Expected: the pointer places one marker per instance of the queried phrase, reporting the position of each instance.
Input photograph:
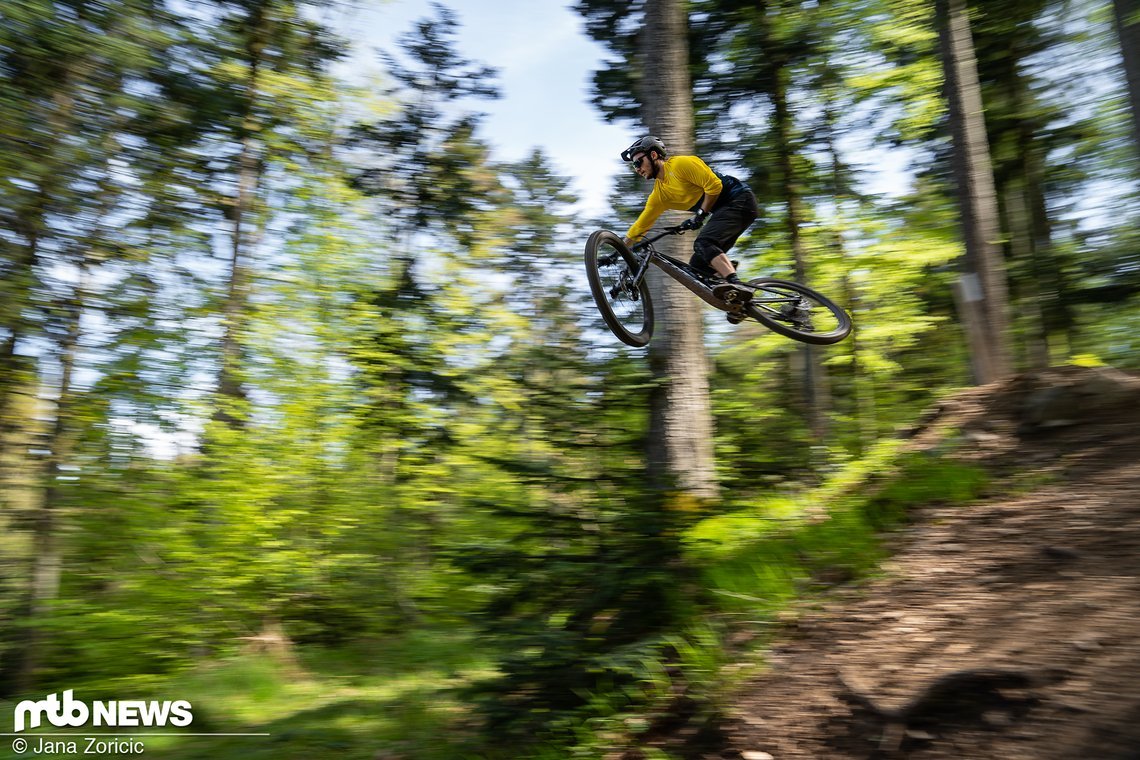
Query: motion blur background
(306, 415)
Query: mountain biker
(686, 183)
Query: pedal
(732, 293)
(734, 319)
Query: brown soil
(1007, 629)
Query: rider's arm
(654, 207)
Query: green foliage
(582, 598)
(922, 479)
(396, 695)
(760, 558)
(424, 475)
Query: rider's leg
(721, 232)
(723, 265)
(718, 236)
(705, 254)
(719, 263)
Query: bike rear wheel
(797, 312)
(626, 308)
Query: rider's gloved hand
(697, 220)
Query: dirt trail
(1004, 630)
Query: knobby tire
(628, 312)
(839, 322)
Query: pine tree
(983, 295)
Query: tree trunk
(681, 428)
(47, 554)
(985, 308)
(15, 371)
(1020, 175)
(243, 215)
(19, 376)
(1127, 15)
(863, 382)
(806, 363)
(1023, 248)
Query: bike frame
(679, 271)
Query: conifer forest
(308, 417)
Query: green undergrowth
(750, 568)
(391, 698)
(761, 561)
(759, 557)
(757, 564)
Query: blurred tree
(121, 132)
(872, 64)
(864, 85)
(245, 47)
(760, 52)
(1127, 19)
(983, 294)
(416, 158)
(74, 85)
(681, 430)
(437, 188)
(1024, 129)
(650, 80)
(573, 569)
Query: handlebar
(677, 230)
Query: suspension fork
(637, 278)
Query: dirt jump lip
(1003, 629)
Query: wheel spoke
(624, 303)
(624, 299)
(797, 311)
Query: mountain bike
(617, 281)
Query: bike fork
(637, 278)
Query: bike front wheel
(797, 312)
(625, 305)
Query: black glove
(697, 220)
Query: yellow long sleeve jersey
(680, 185)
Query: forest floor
(1004, 629)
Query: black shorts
(723, 228)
